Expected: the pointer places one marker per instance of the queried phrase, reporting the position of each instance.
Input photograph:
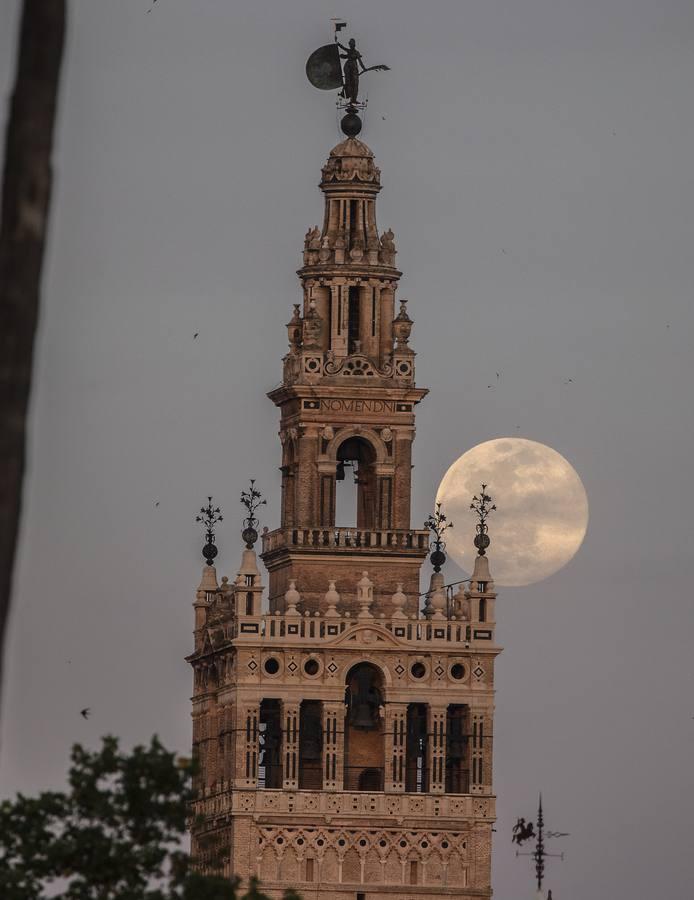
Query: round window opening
(272, 665)
(457, 671)
(311, 667)
(418, 670)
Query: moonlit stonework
(542, 511)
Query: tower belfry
(347, 403)
(344, 728)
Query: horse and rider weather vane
(325, 71)
(525, 831)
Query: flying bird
(196, 334)
(157, 503)
(568, 381)
(85, 712)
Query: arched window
(364, 729)
(355, 496)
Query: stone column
(247, 746)
(338, 327)
(436, 727)
(333, 745)
(306, 489)
(403, 477)
(228, 755)
(367, 315)
(396, 742)
(477, 751)
(387, 305)
(290, 744)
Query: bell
(340, 471)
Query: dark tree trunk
(26, 194)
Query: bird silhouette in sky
(85, 712)
(196, 334)
(568, 381)
(157, 503)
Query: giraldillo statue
(326, 72)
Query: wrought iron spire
(483, 506)
(523, 832)
(251, 499)
(539, 848)
(438, 524)
(209, 516)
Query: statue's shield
(323, 68)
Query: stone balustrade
(347, 539)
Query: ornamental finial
(251, 499)
(438, 524)
(483, 506)
(209, 516)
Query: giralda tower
(343, 727)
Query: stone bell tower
(343, 726)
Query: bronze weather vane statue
(326, 72)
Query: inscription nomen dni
(361, 405)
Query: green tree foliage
(115, 834)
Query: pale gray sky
(537, 169)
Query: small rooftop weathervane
(251, 499)
(325, 71)
(209, 516)
(483, 506)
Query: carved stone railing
(377, 804)
(348, 539)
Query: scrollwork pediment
(366, 634)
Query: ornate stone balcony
(414, 541)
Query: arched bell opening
(364, 729)
(355, 476)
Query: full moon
(542, 509)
